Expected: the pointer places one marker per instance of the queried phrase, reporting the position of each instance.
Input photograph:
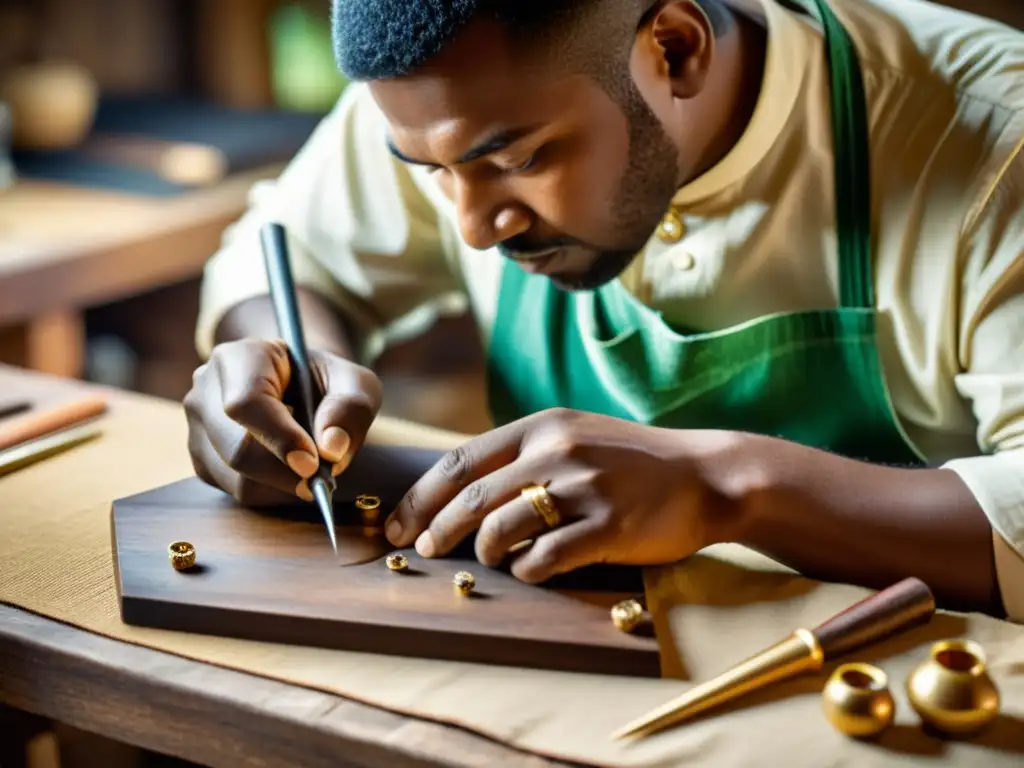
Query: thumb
(352, 398)
(254, 375)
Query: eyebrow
(495, 143)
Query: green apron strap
(852, 164)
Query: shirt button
(684, 261)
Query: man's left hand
(625, 493)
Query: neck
(737, 73)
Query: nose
(487, 217)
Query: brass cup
(951, 690)
(857, 702)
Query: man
(745, 272)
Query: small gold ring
(182, 555)
(541, 500)
(367, 502)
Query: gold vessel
(857, 702)
(951, 690)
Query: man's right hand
(243, 438)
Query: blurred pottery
(951, 690)
(53, 105)
(857, 702)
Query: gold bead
(951, 690)
(857, 702)
(464, 582)
(627, 614)
(182, 555)
(397, 562)
(671, 228)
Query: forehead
(484, 78)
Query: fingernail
(302, 463)
(334, 443)
(393, 531)
(303, 492)
(425, 545)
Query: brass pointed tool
(900, 607)
(289, 324)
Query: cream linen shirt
(945, 95)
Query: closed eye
(527, 165)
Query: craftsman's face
(544, 165)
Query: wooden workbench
(220, 718)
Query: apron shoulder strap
(852, 159)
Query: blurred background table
(65, 249)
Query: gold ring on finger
(542, 502)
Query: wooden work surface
(711, 610)
(221, 717)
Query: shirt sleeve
(991, 353)
(362, 232)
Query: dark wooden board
(270, 575)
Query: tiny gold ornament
(857, 701)
(464, 582)
(182, 555)
(951, 690)
(369, 508)
(671, 228)
(627, 614)
(397, 562)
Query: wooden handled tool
(45, 421)
(901, 606)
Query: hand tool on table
(36, 423)
(905, 604)
(289, 325)
(32, 451)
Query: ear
(679, 34)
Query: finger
(561, 550)
(503, 529)
(236, 448)
(254, 375)
(457, 469)
(477, 502)
(352, 398)
(213, 471)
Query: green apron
(812, 377)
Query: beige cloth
(946, 111)
(710, 612)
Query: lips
(537, 263)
